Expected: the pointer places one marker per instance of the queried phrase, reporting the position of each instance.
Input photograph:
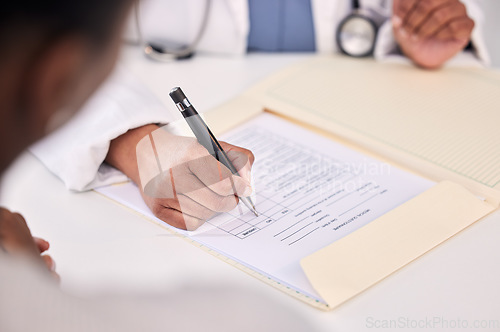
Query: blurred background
(492, 29)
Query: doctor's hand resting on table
(430, 32)
(191, 186)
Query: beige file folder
(443, 125)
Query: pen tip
(255, 212)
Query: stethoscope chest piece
(356, 35)
(166, 51)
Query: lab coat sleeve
(386, 47)
(76, 151)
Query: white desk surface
(99, 245)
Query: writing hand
(180, 182)
(430, 32)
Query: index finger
(422, 12)
(241, 158)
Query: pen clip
(181, 106)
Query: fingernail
(396, 21)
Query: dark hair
(92, 18)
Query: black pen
(205, 136)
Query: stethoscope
(355, 36)
(158, 52)
(357, 33)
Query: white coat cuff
(76, 151)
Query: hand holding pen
(180, 181)
(205, 137)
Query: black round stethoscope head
(158, 52)
(356, 35)
(164, 52)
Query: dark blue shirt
(281, 26)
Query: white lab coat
(75, 153)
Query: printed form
(309, 192)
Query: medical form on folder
(309, 192)
(350, 189)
